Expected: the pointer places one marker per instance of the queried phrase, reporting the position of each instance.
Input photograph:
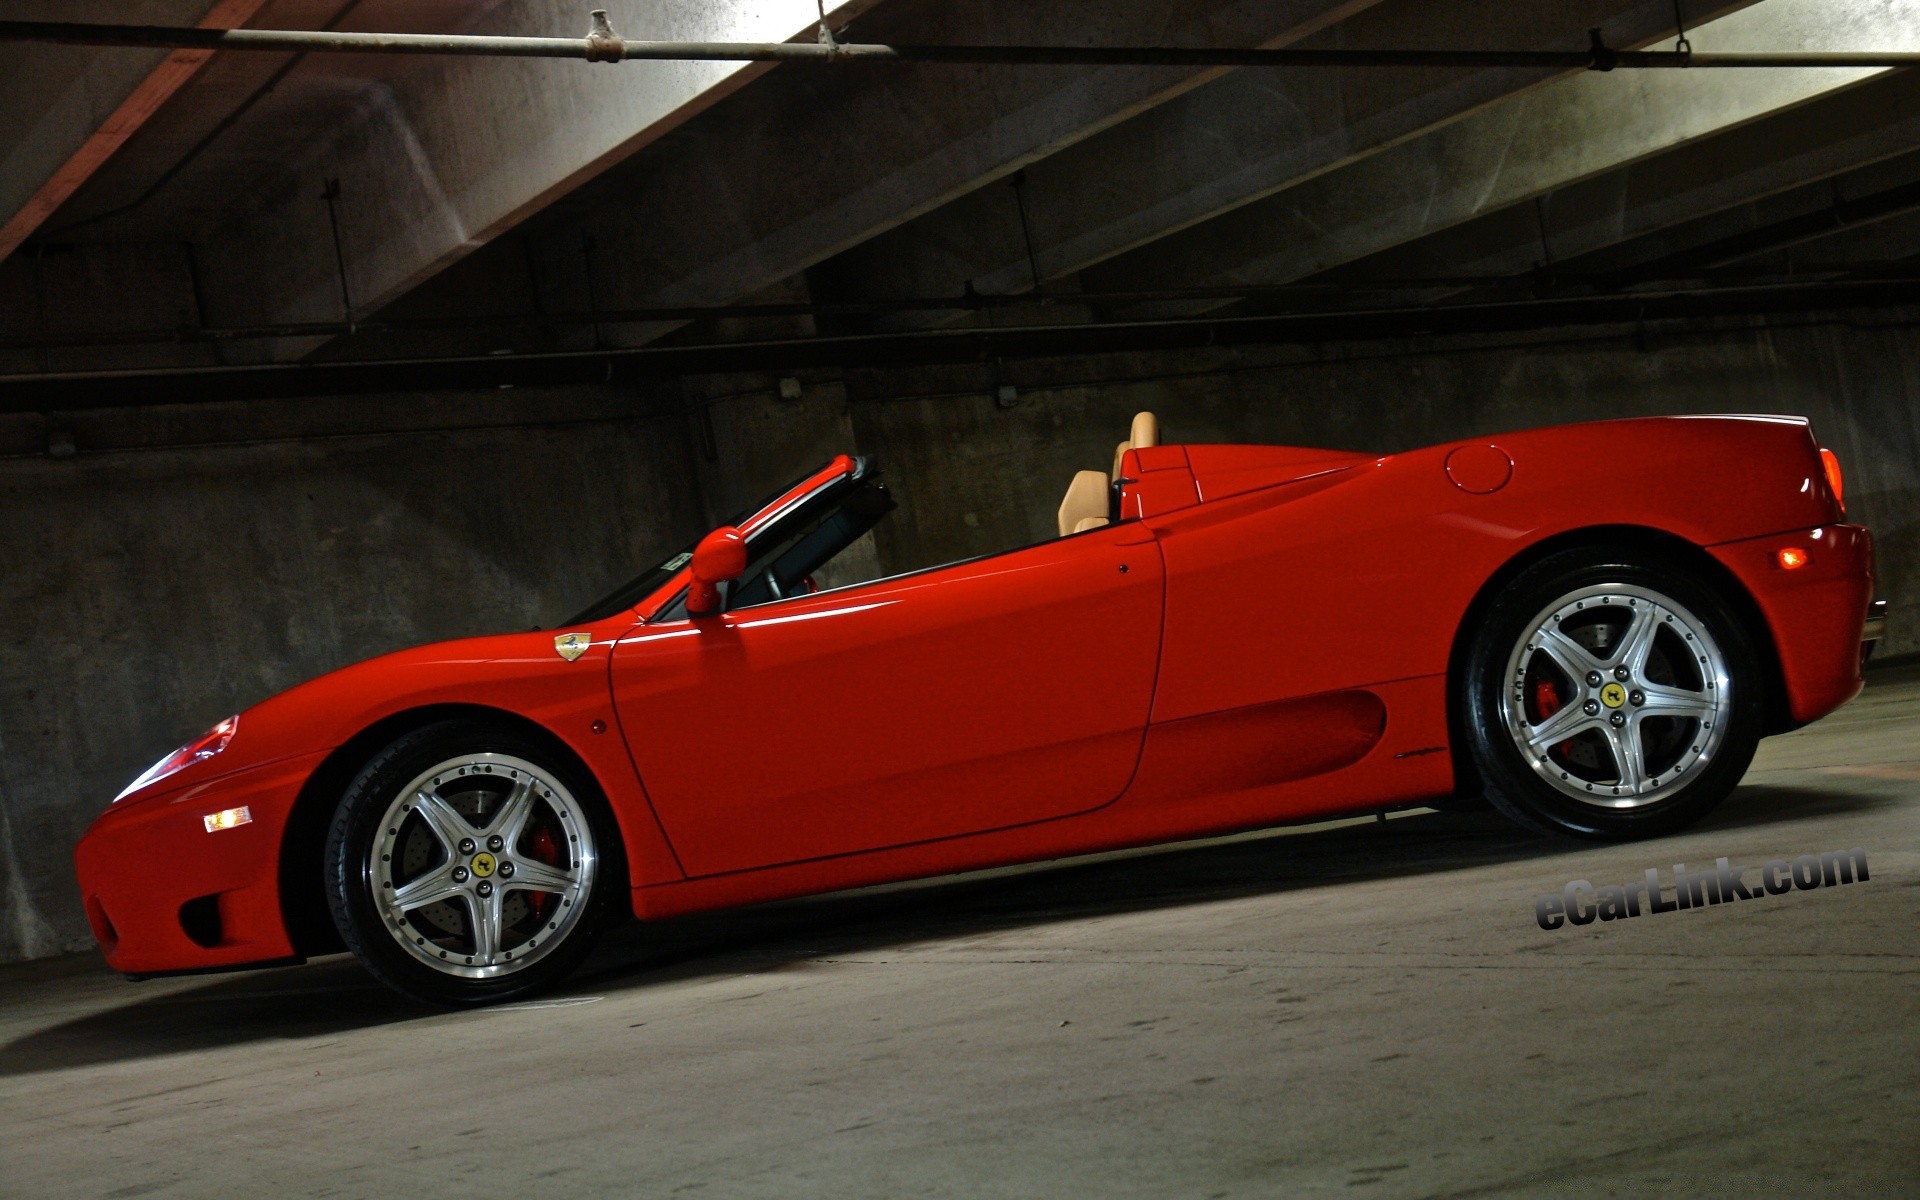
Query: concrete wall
(975, 476)
(148, 593)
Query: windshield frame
(674, 569)
(843, 472)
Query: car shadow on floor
(333, 995)
(1270, 862)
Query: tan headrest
(1146, 431)
(1119, 452)
(1086, 497)
(1087, 523)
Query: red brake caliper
(1546, 698)
(542, 846)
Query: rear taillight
(1835, 480)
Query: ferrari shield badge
(572, 645)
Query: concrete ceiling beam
(443, 158)
(1571, 130)
(1222, 146)
(828, 159)
(71, 109)
(436, 157)
(1804, 159)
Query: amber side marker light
(228, 818)
(1791, 558)
(1835, 480)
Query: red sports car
(1592, 625)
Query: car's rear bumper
(144, 862)
(1816, 613)
(1875, 629)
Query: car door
(976, 696)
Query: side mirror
(721, 557)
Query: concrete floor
(1367, 1009)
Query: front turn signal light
(208, 744)
(1792, 558)
(1835, 480)
(228, 818)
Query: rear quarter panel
(1364, 575)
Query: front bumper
(163, 894)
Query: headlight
(208, 744)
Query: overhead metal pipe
(603, 45)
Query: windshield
(651, 580)
(634, 590)
(819, 547)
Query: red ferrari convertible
(1591, 625)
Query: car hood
(522, 673)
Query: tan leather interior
(1146, 431)
(1086, 497)
(1085, 506)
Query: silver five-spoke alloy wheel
(482, 865)
(1616, 695)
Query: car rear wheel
(1611, 695)
(468, 864)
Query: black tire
(1697, 664)
(376, 833)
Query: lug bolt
(495, 842)
(459, 874)
(466, 845)
(506, 870)
(1618, 719)
(1593, 679)
(1590, 707)
(485, 890)
(1637, 697)
(1620, 673)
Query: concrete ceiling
(141, 191)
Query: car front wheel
(1611, 695)
(468, 864)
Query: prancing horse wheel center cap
(450, 889)
(1612, 695)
